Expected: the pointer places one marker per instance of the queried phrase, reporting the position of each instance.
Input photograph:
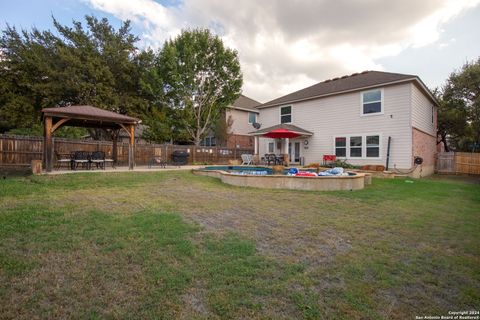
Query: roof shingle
(287, 126)
(341, 84)
(89, 112)
(244, 102)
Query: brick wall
(425, 146)
(242, 141)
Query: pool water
(242, 170)
(262, 177)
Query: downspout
(388, 152)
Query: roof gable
(245, 103)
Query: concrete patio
(124, 169)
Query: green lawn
(173, 245)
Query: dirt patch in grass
(194, 303)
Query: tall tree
(95, 64)
(198, 77)
(459, 113)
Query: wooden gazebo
(87, 117)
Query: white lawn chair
(247, 159)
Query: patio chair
(157, 160)
(329, 160)
(111, 161)
(98, 158)
(271, 158)
(279, 159)
(62, 160)
(81, 157)
(247, 159)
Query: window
(341, 147)
(271, 145)
(252, 117)
(433, 114)
(373, 146)
(286, 114)
(372, 102)
(356, 147)
(208, 142)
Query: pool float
(292, 172)
(305, 174)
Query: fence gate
(446, 162)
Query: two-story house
(366, 118)
(238, 118)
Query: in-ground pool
(263, 177)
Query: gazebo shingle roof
(89, 113)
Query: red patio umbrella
(281, 133)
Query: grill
(180, 157)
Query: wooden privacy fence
(458, 163)
(20, 151)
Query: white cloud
(287, 45)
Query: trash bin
(180, 157)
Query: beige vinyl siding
(240, 123)
(340, 115)
(422, 112)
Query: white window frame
(280, 114)
(349, 146)
(250, 112)
(347, 140)
(364, 146)
(379, 146)
(382, 107)
(268, 146)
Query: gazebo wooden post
(114, 146)
(47, 144)
(131, 148)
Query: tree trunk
(196, 141)
(444, 140)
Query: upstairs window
(286, 114)
(433, 114)
(341, 147)
(356, 147)
(372, 102)
(252, 117)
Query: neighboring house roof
(286, 126)
(353, 82)
(246, 104)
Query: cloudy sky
(286, 45)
